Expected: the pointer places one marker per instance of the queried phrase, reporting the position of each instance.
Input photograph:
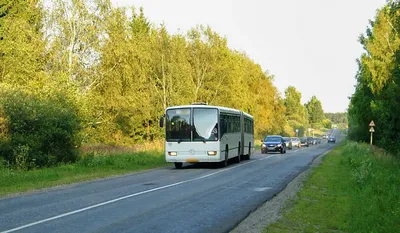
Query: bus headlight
(211, 152)
(172, 153)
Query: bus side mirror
(162, 121)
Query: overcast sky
(309, 44)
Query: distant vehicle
(304, 142)
(288, 142)
(310, 140)
(314, 141)
(201, 133)
(273, 143)
(325, 136)
(332, 139)
(296, 142)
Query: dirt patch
(270, 211)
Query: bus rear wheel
(237, 158)
(247, 157)
(224, 163)
(178, 165)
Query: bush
(39, 131)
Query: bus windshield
(178, 124)
(205, 122)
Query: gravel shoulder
(270, 211)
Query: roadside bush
(40, 131)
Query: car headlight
(279, 145)
(263, 145)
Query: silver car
(296, 142)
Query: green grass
(87, 168)
(355, 189)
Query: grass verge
(355, 189)
(89, 167)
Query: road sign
(297, 130)
(372, 124)
(372, 130)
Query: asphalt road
(197, 198)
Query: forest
(75, 73)
(377, 92)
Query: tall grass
(88, 167)
(355, 189)
(375, 194)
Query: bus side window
(223, 127)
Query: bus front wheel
(178, 165)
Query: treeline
(90, 73)
(337, 117)
(377, 93)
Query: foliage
(22, 49)
(296, 113)
(356, 186)
(315, 112)
(120, 72)
(337, 118)
(39, 131)
(378, 81)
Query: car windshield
(205, 122)
(178, 124)
(272, 139)
(286, 139)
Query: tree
(377, 91)
(122, 72)
(22, 49)
(76, 33)
(296, 113)
(315, 112)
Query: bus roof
(224, 109)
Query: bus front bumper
(192, 158)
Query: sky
(310, 44)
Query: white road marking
(127, 196)
(261, 189)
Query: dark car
(332, 139)
(304, 142)
(273, 143)
(310, 140)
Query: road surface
(193, 199)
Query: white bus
(200, 133)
